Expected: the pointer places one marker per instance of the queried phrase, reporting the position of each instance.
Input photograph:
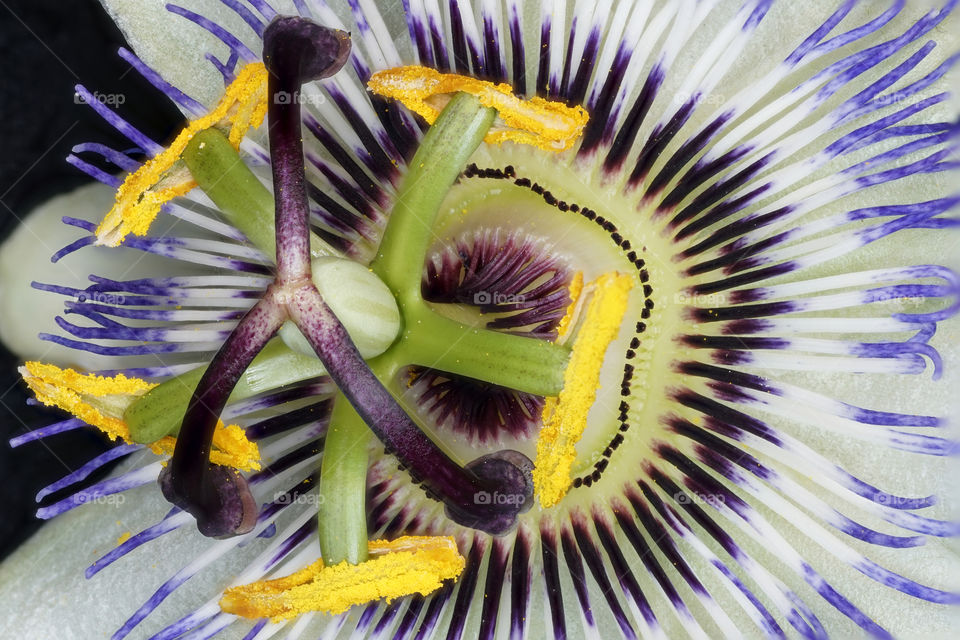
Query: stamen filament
(219, 171)
(341, 512)
(160, 411)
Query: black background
(47, 47)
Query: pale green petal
(25, 258)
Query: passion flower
(652, 319)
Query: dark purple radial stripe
(383, 156)
(311, 449)
(658, 140)
(574, 564)
(461, 59)
(719, 454)
(399, 125)
(335, 215)
(670, 515)
(578, 87)
(387, 615)
(715, 192)
(733, 342)
(442, 59)
(408, 623)
(543, 68)
(722, 314)
(47, 431)
(735, 229)
(724, 419)
(739, 253)
(551, 579)
(599, 124)
(626, 136)
(518, 76)
(492, 47)
(705, 486)
(757, 383)
(806, 622)
(681, 497)
(520, 583)
(347, 161)
(687, 151)
(662, 537)
(562, 91)
(623, 571)
(493, 588)
(721, 211)
(224, 36)
(437, 605)
(634, 536)
(595, 563)
(317, 413)
(351, 193)
(365, 619)
(466, 589)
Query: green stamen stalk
(342, 505)
(247, 204)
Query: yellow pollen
(100, 401)
(548, 125)
(575, 290)
(160, 179)
(565, 417)
(412, 564)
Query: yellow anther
(565, 417)
(551, 126)
(101, 401)
(575, 290)
(398, 568)
(163, 177)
